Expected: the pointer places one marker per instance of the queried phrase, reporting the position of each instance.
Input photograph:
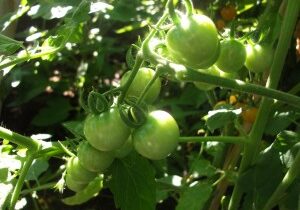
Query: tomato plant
(194, 42)
(100, 138)
(158, 137)
(259, 58)
(232, 56)
(107, 131)
(144, 75)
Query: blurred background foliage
(41, 96)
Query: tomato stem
(224, 139)
(19, 139)
(189, 7)
(251, 149)
(172, 12)
(148, 86)
(20, 182)
(239, 85)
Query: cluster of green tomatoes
(193, 42)
(109, 137)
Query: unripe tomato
(125, 149)
(78, 173)
(194, 42)
(92, 159)
(158, 137)
(232, 56)
(73, 185)
(229, 75)
(205, 86)
(228, 12)
(143, 76)
(259, 58)
(107, 131)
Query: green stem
(189, 7)
(41, 187)
(195, 76)
(28, 57)
(148, 86)
(135, 69)
(172, 12)
(251, 150)
(20, 182)
(287, 180)
(21, 140)
(224, 139)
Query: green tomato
(205, 86)
(92, 159)
(78, 173)
(227, 75)
(125, 149)
(107, 131)
(158, 137)
(194, 42)
(232, 56)
(259, 58)
(143, 76)
(73, 185)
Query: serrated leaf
(221, 117)
(89, 192)
(195, 197)
(8, 45)
(37, 168)
(133, 183)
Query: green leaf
(8, 45)
(195, 197)
(37, 168)
(51, 43)
(221, 117)
(89, 192)
(133, 183)
(201, 167)
(56, 110)
(75, 127)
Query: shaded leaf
(37, 168)
(195, 197)
(8, 45)
(133, 183)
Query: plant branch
(19, 139)
(225, 139)
(251, 150)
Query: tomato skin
(73, 185)
(158, 137)
(125, 149)
(259, 58)
(205, 86)
(143, 76)
(92, 159)
(194, 42)
(249, 114)
(228, 12)
(107, 131)
(232, 56)
(78, 173)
